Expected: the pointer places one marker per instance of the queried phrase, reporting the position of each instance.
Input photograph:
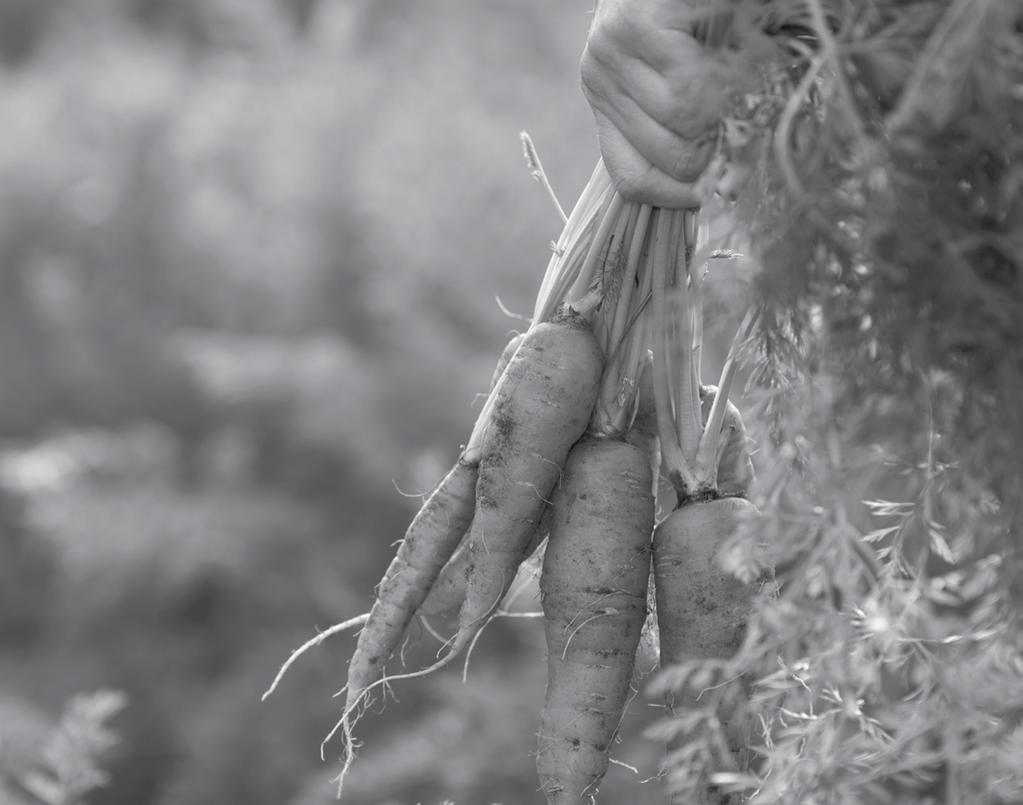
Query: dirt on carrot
(542, 406)
(593, 591)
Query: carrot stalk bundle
(567, 449)
(593, 589)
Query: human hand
(657, 95)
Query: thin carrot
(430, 539)
(448, 591)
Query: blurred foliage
(62, 767)
(886, 209)
(249, 254)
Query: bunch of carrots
(590, 408)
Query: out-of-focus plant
(888, 219)
(70, 761)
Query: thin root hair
(358, 620)
(430, 630)
(533, 486)
(349, 717)
(602, 614)
(583, 611)
(509, 313)
(469, 650)
(421, 495)
(623, 764)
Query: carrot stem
(537, 172)
(696, 276)
(687, 410)
(569, 249)
(707, 453)
(608, 222)
(629, 280)
(611, 271)
(674, 458)
(625, 347)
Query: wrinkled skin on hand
(657, 95)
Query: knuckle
(597, 55)
(588, 71)
(691, 159)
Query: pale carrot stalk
(735, 472)
(629, 279)
(709, 448)
(696, 275)
(680, 469)
(581, 283)
(609, 276)
(628, 341)
(537, 172)
(688, 405)
(577, 230)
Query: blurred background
(250, 257)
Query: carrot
(429, 541)
(448, 592)
(427, 565)
(701, 610)
(540, 408)
(593, 590)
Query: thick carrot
(541, 407)
(593, 590)
(701, 610)
(430, 539)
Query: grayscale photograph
(334, 334)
